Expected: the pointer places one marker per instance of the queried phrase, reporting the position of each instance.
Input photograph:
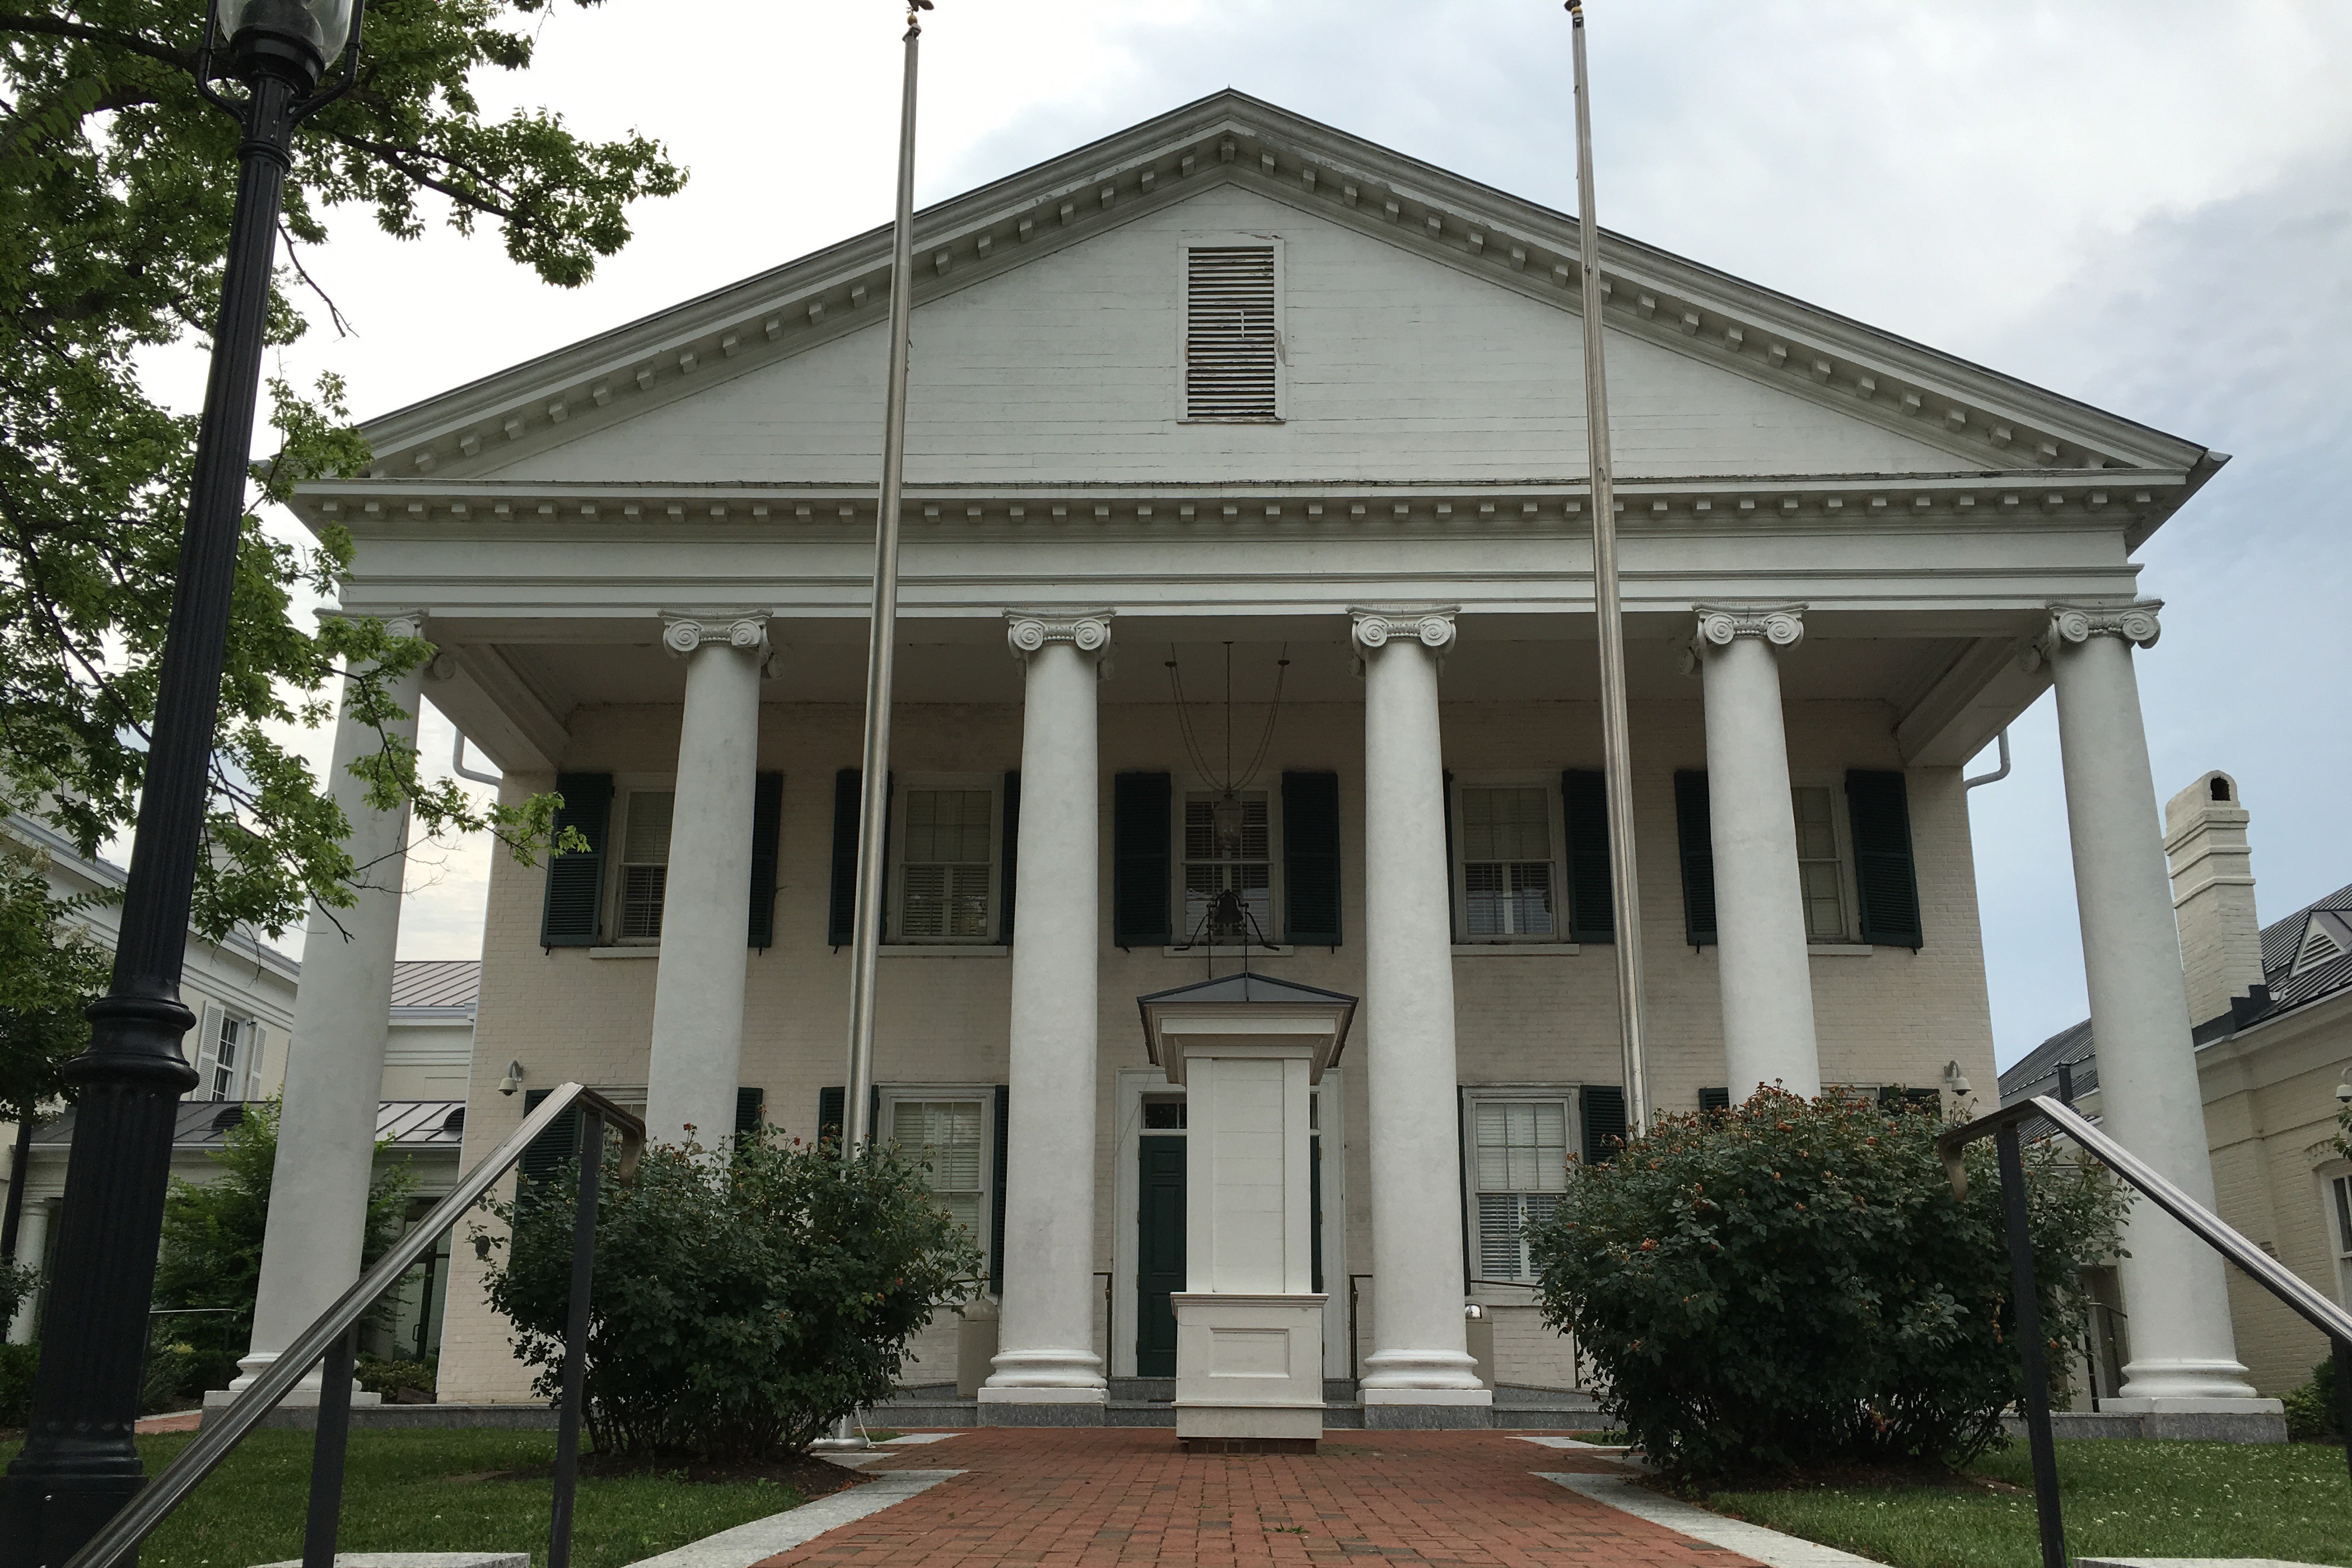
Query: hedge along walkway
(1075, 1499)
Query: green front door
(1160, 1245)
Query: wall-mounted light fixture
(513, 1081)
(1956, 1080)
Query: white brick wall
(1892, 1016)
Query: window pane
(1531, 898)
(945, 1134)
(1505, 824)
(642, 890)
(1498, 1237)
(1816, 832)
(647, 839)
(1228, 843)
(2344, 1214)
(949, 826)
(1483, 889)
(1824, 899)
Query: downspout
(1995, 776)
(458, 761)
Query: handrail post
(326, 1516)
(2036, 1393)
(2344, 1394)
(575, 1344)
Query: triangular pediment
(1433, 325)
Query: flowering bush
(1791, 1283)
(743, 1302)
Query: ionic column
(334, 1062)
(32, 1246)
(1045, 1369)
(2184, 1353)
(698, 1031)
(1761, 966)
(1421, 1357)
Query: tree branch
(80, 32)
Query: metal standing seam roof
(437, 983)
(206, 1123)
(2037, 1070)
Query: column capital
(681, 634)
(1720, 626)
(1370, 629)
(405, 624)
(1025, 632)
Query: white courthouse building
(1235, 390)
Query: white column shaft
(2182, 1345)
(1408, 1021)
(1045, 1334)
(1759, 914)
(334, 1064)
(697, 1028)
(32, 1243)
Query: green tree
(211, 1256)
(117, 181)
(1793, 1283)
(48, 972)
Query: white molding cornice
(1978, 414)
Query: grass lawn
(2292, 1501)
(434, 1491)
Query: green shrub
(2313, 1413)
(173, 1364)
(1792, 1283)
(18, 1364)
(391, 1376)
(17, 1286)
(743, 1302)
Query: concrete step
(1514, 1410)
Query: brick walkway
(1064, 1499)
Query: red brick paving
(1059, 1498)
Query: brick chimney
(2213, 894)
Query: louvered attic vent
(1230, 349)
(2319, 946)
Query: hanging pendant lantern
(1225, 824)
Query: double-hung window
(1519, 1168)
(1228, 848)
(2339, 1193)
(1820, 870)
(230, 1052)
(948, 833)
(1506, 867)
(950, 1137)
(644, 863)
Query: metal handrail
(2203, 1223)
(139, 1517)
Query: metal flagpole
(874, 790)
(1616, 746)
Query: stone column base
(1043, 1406)
(1428, 1409)
(301, 1396)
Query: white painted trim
(1517, 949)
(1770, 1547)
(1276, 952)
(764, 1538)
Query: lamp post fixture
(79, 1464)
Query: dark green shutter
(1311, 859)
(1715, 1100)
(996, 1197)
(828, 1113)
(1697, 835)
(1010, 867)
(543, 1161)
(747, 1112)
(575, 883)
(1884, 872)
(1592, 901)
(1140, 888)
(1604, 1121)
(767, 808)
(841, 913)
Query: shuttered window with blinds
(1233, 347)
(946, 878)
(948, 1137)
(1519, 1168)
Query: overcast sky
(2142, 204)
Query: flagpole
(1616, 744)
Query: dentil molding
(1720, 626)
(2135, 623)
(1024, 634)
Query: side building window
(947, 835)
(228, 1055)
(1505, 874)
(644, 862)
(1228, 848)
(1518, 1167)
(2340, 1192)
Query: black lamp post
(78, 1463)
